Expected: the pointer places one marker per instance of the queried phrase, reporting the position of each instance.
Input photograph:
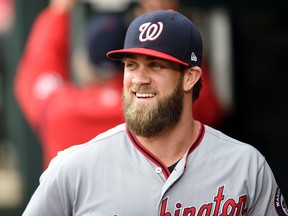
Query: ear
(191, 76)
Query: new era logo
(193, 57)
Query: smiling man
(162, 161)
(152, 99)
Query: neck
(170, 146)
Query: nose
(141, 77)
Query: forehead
(146, 59)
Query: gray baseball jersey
(114, 175)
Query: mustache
(142, 88)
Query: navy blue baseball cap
(165, 34)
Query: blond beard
(148, 120)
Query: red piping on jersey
(148, 154)
(198, 139)
(153, 158)
(196, 142)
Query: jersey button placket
(158, 170)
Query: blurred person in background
(6, 22)
(64, 108)
(7, 14)
(145, 6)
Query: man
(62, 108)
(162, 161)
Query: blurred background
(246, 46)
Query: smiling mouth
(144, 95)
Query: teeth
(145, 95)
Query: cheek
(171, 84)
(126, 80)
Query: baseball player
(161, 161)
(62, 112)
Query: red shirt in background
(61, 113)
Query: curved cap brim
(119, 54)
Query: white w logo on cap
(150, 31)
